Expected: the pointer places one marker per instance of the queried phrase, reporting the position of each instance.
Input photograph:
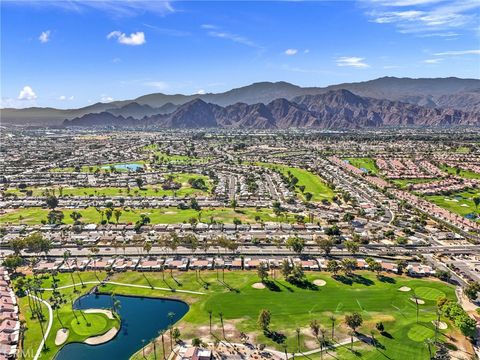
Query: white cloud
(208, 26)
(114, 8)
(458, 53)
(420, 17)
(234, 37)
(352, 61)
(432, 61)
(201, 92)
(44, 36)
(291, 52)
(64, 98)
(306, 51)
(27, 94)
(136, 38)
(106, 98)
(159, 85)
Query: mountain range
(384, 101)
(336, 109)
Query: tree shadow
(386, 279)
(285, 286)
(386, 334)
(304, 284)
(275, 336)
(271, 285)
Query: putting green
(97, 323)
(420, 333)
(428, 293)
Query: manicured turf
(294, 307)
(429, 293)
(313, 183)
(148, 190)
(420, 333)
(460, 203)
(100, 167)
(467, 174)
(167, 215)
(364, 163)
(99, 323)
(404, 183)
(173, 158)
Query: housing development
(239, 180)
(281, 243)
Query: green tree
(264, 319)
(353, 321)
(295, 244)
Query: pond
(129, 167)
(142, 318)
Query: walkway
(49, 326)
(129, 285)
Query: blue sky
(74, 53)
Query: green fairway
(460, 203)
(164, 158)
(295, 307)
(429, 293)
(467, 174)
(88, 324)
(462, 150)
(98, 168)
(364, 163)
(420, 333)
(167, 215)
(404, 183)
(312, 182)
(147, 190)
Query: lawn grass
(147, 190)
(165, 158)
(365, 163)
(165, 215)
(295, 307)
(460, 203)
(312, 182)
(467, 174)
(462, 150)
(99, 323)
(99, 167)
(404, 183)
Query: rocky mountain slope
(336, 109)
(444, 93)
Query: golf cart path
(49, 326)
(129, 285)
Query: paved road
(49, 326)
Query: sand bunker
(96, 340)
(107, 313)
(61, 337)
(404, 289)
(258, 286)
(418, 301)
(319, 282)
(441, 324)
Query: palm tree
(210, 317)
(161, 333)
(171, 316)
(415, 298)
(427, 343)
(221, 321)
(333, 319)
(297, 330)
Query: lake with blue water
(142, 319)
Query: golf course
(234, 302)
